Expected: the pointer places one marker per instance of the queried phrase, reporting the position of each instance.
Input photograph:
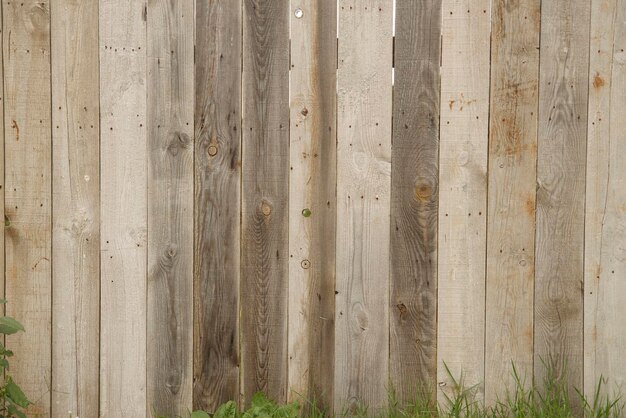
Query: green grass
(550, 399)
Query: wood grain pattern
(170, 107)
(363, 203)
(2, 168)
(415, 198)
(605, 220)
(28, 199)
(76, 203)
(124, 207)
(561, 165)
(217, 203)
(265, 185)
(312, 209)
(463, 194)
(511, 193)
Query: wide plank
(463, 154)
(414, 198)
(170, 107)
(364, 106)
(76, 203)
(28, 194)
(265, 189)
(312, 209)
(511, 194)
(124, 208)
(217, 203)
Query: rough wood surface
(217, 203)
(463, 193)
(363, 203)
(170, 107)
(415, 198)
(265, 188)
(28, 197)
(605, 220)
(561, 166)
(76, 203)
(124, 208)
(312, 209)
(511, 191)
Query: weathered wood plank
(312, 209)
(415, 198)
(28, 194)
(561, 162)
(217, 203)
(76, 203)
(2, 168)
(605, 220)
(363, 203)
(124, 207)
(170, 107)
(511, 191)
(265, 188)
(463, 193)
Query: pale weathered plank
(511, 191)
(217, 203)
(605, 220)
(28, 200)
(265, 188)
(312, 209)
(463, 194)
(414, 198)
(124, 208)
(363, 203)
(561, 162)
(170, 107)
(2, 217)
(76, 203)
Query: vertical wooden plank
(76, 203)
(511, 193)
(265, 188)
(561, 166)
(414, 197)
(170, 87)
(217, 203)
(123, 194)
(463, 193)
(2, 168)
(28, 204)
(605, 220)
(363, 203)
(312, 208)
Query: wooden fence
(203, 199)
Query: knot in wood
(305, 264)
(212, 150)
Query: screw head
(298, 13)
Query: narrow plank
(414, 198)
(217, 203)
(76, 203)
(463, 194)
(561, 163)
(123, 196)
(2, 168)
(363, 203)
(265, 188)
(28, 199)
(170, 88)
(511, 194)
(605, 223)
(312, 208)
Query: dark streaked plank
(265, 185)
(170, 206)
(511, 194)
(76, 203)
(217, 203)
(312, 209)
(561, 165)
(414, 197)
(28, 194)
